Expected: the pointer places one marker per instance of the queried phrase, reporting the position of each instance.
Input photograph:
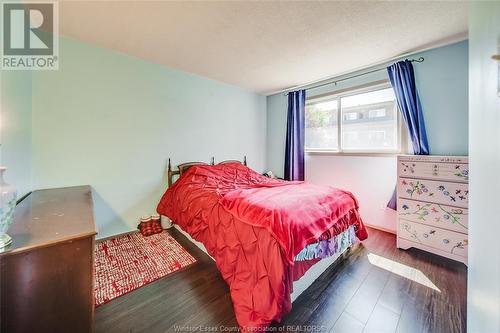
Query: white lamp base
(4, 240)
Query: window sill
(352, 153)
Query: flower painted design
(461, 173)
(413, 233)
(432, 234)
(460, 245)
(434, 212)
(408, 167)
(414, 187)
(458, 194)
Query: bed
(269, 238)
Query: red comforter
(253, 226)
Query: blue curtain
(403, 82)
(295, 136)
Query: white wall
(483, 304)
(111, 121)
(370, 179)
(16, 129)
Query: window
(322, 125)
(364, 121)
(376, 113)
(351, 116)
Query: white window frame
(402, 136)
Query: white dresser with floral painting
(432, 211)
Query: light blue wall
(111, 121)
(276, 132)
(442, 82)
(16, 129)
(443, 85)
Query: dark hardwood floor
(374, 288)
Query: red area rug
(130, 261)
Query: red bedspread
(253, 226)
(296, 214)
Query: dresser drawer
(444, 240)
(453, 194)
(456, 172)
(434, 214)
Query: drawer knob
(446, 241)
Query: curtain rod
(420, 59)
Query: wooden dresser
(46, 275)
(432, 206)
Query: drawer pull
(446, 241)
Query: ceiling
(264, 46)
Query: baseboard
(381, 228)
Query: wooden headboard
(183, 167)
(233, 161)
